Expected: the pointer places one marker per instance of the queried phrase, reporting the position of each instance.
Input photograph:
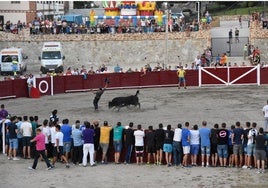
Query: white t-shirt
(250, 135)
(194, 137)
(46, 132)
(59, 136)
(177, 135)
(53, 133)
(139, 137)
(265, 110)
(26, 128)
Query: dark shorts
(213, 148)
(26, 141)
(159, 146)
(230, 150)
(56, 153)
(151, 149)
(139, 149)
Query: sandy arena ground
(165, 105)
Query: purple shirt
(88, 136)
(3, 114)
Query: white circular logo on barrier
(46, 84)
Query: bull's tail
(137, 92)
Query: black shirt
(260, 142)
(159, 136)
(129, 135)
(223, 137)
(169, 134)
(150, 138)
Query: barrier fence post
(258, 74)
(199, 76)
(51, 85)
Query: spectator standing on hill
(223, 60)
(159, 140)
(117, 141)
(139, 144)
(236, 35)
(205, 134)
(240, 21)
(230, 36)
(237, 139)
(129, 141)
(177, 147)
(40, 149)
(245, 51)
(150, 141)
(265, 113)
(167, 148)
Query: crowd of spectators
(180, 146)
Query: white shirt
(26, 128)
(194, 137)
(265, 110)
(46, 132)
(139, 134)
(53, 133)
(250, 135)
(59, 136)
(177, 135)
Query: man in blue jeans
(205, 143)
(177, 147)
(12, 130)
(237, 138)
(222, 147)
(129, 141)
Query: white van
(12, 60)
(51, 58)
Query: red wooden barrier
(62, 84)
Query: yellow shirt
(105, 134)
(181, 73)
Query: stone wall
(129, 50)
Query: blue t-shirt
(77, 137)
(185, 133)
(67, 132)
(238, 132)
(205, 136)
(118, 132)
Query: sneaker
(67, 165)
(16, 159)
(245, 167)
(49, 168)
(258, 172)
(93, 165)
(31, 168)
(9, 158)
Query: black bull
(119, 102)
